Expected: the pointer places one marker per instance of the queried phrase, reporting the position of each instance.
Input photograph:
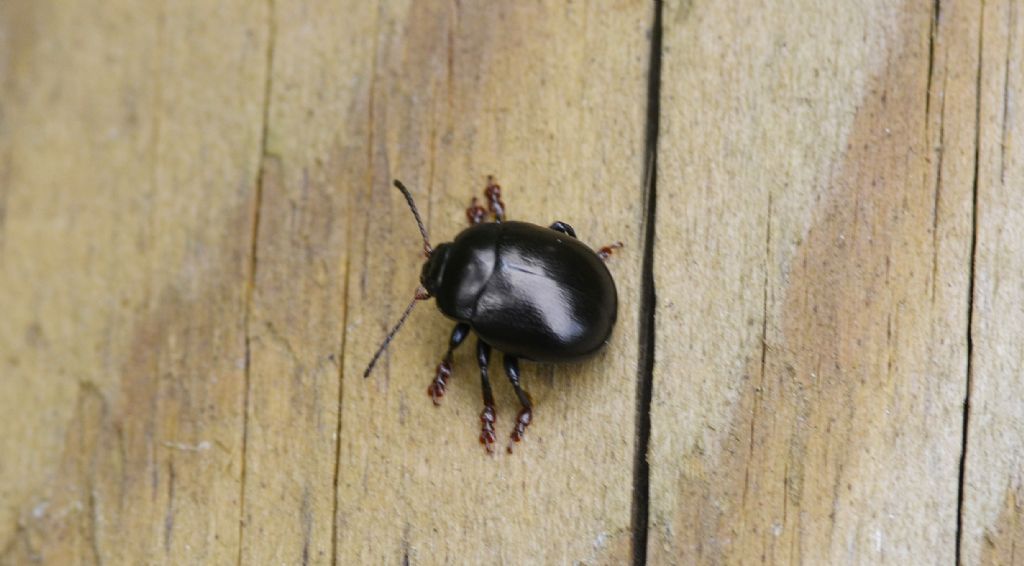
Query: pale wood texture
(200, 250)
(812, 268)
(132, 141)
(993, 513)
(315, 147)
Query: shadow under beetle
(531, 292)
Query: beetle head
(432, 274)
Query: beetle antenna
(419, 221)
(421, 294)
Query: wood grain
(993, 490)
(200, 250)
(315, 144)
(133, 137)
(812, 268)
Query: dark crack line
(937, 189)
(94, 523)
(153, 151)
(253, 260)
(929, 87)
(371, 125)
(341, 390)
(1011, 26)
(933, 32)
(758, 392)
(970, 294)
(306, 524)
(169, 512)
(648, 302)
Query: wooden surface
(812, 352)
(200, 249)
(994, 481)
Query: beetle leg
(526, 413)
(444, 369)
(606, 251)
(494, 202)
(487, 416)
(562, 227)
(475, 213)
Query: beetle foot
(475, 213)
(606, 251)
(494, 202)
(437, 388)
(522, 421)
(487, 437)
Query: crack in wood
(371, 92)
(764, 352)
(937, 190)
(169, 513)
(1011, 24)
(933, 32)
(970, 292)
(251, 283)
(648, 302)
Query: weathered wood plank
(812, 268)
(813, 258)
(314, 163)
(133, 135)
(993, 494)
(550, 97)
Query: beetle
(531, 292)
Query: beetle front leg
(475, 213)
(444, 369)
(494, 202)
(487, 416)
(562, 227)
(526, 413)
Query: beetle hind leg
(444, 369)
(606, 252)
(487, 416)
(525, 416)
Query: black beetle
(531, 292)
